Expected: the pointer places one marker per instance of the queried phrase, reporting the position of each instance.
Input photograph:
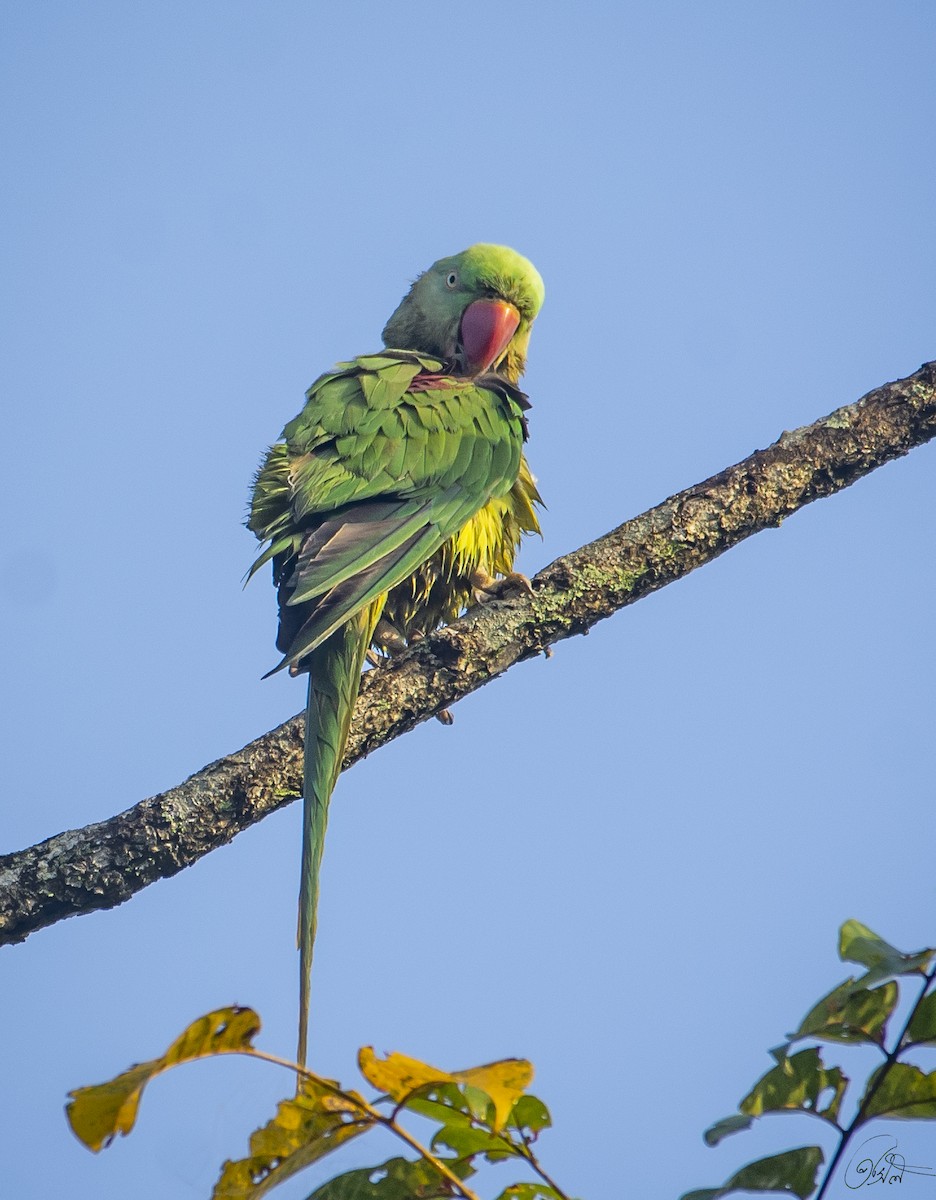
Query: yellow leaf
(504, 1081)
(398, 1075)
(306, 1128)
(97, 1114)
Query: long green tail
(334, 681)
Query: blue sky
(627, 863)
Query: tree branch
(104, 864)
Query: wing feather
(351, 541)
(371, 480)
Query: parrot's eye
(451, 280)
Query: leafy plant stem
(533, 1161)
(889, 1061)
(378, 1118)
(462, 1188)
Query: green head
(475, 310)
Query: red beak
(486, 328)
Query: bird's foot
(486, 587)
(389, 641)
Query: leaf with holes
(797, 1083)
(439, 1101)
(530, 1117)
(465, 1140)
(97, 1114)
(396, 1179)
(850, 1013)
(318, 1119)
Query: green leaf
(97, 1114)
(530, 1116)
(904, 1092)
(439, 1103)
(396, 1179)
(319, 1119)
(858, 943)
(793, 1173)
(465, 1140)
(725, 1127)
(797, 1083)
(922, 1028)
(479, 1104)
(850, 1013)
(529, 1191)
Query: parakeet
(395, 498)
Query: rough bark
(103, 864)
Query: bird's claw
(388, 640)
(508, 587)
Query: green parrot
(393, 501)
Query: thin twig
(533, 1161)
